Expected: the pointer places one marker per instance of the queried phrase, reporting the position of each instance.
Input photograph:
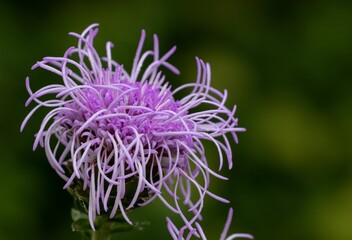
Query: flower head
(122, 139)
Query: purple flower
(125, 138)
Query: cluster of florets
(125, 139)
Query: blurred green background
(287, 66)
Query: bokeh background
(287, 66)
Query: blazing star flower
(122, 139)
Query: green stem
(95, 235)
(104, 225)
(100, 234)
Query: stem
(104, 225)
(100, 234)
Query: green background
(287, 66)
